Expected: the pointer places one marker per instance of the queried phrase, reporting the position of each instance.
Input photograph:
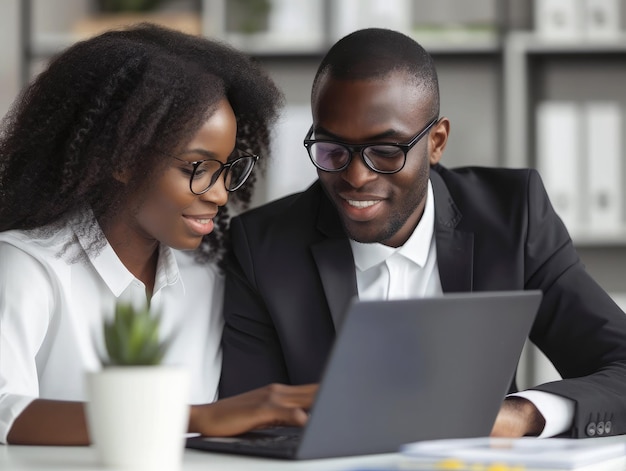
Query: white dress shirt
(52, 307)
(410, 271)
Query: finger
(301, 396)
(285, 416)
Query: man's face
(375, 207)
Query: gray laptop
(403, 371)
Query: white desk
(57, 458)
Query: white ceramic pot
(138, 415)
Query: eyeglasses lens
(205, 175)
(329, 156)
(332, 156)
(235, 174)
(239, 172)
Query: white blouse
(54, 296)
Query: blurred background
(524, 82)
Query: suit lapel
(455, 248)
(333, 257)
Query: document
(518, 454)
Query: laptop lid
(407, 370)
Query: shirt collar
(167, 269)
(114, 273)
(416, 248)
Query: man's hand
(518, 417)
(272, 405)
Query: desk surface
(57, 458)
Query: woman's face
(169, 212)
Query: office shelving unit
(537, 68)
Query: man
(388, 221)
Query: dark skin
(173, 215)
(46, 422)
(387, 208)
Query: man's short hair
(374, 53)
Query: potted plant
(138, 408)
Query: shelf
(517, 48)
(288, 40)
(533, 43)
(615, 238)
(268, 44)
(458, 40)
(316, 45)
(47, 45)
(43, 46)
(277, 44)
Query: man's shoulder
(496, 181)
(487, 175)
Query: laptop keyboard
(279, 441)
(271, 443)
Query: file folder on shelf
(604, 199)
(601, 18)
(559, 158)
(558, 19)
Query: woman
(116, 159)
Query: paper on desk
(525, 453)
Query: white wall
(9, 53)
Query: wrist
(194, 412)
(533, 420)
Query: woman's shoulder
(59, 240)
(41, 243)
(37, 256)
(29, 264)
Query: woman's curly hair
(119, 104)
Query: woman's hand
(272, 405)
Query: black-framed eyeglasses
(204, 173)
(381, 157)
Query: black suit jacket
(291, 275)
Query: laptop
(402, 371)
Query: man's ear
(438, 137)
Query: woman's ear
(438, 137)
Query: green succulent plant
(132, 337)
